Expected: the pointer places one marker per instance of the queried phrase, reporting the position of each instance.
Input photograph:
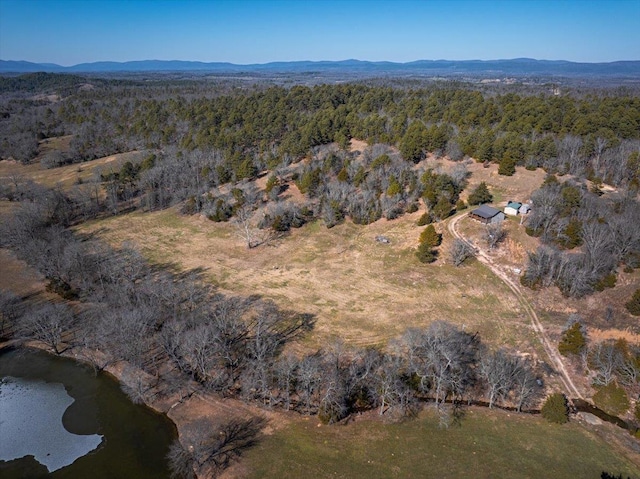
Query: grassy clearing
(68, 176)
(487, 444)
(361, 291)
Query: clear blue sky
(260, 31)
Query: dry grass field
(360, 291)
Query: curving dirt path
(570, 388)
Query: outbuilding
(524, 209)
(512, 208)
(487, 214)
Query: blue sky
(260, 31)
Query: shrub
(53, 159)
(221, 211)
(425, 219)
(61, 288)
(394, 187)
(556, 409)
(461, 205)
(412, 208)
(536, 233)
(190, 206)
(633, 305)
(272, 182)
(608, 281)
(382, 160)
(573, 340)
(572, 234)
(612, 399)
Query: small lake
(60, 420)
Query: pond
(60, 420)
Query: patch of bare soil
(357, 145)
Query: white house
(512, 208)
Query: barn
(486, 214)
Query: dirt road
(554, 356)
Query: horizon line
(315, 61)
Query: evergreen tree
(430, 237)
(573, 340)
(480, 195)
(633, 306)
(507, 167)
(556, 409)
(442, 209)
(426, 254)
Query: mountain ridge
(515, 67)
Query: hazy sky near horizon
(68, 32)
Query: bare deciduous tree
(494, 234)
(49, 324)
(460, 251)
(9, 311)
(214, 447)
(604, 360)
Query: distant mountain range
(516, 67)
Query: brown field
(360, 291)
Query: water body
(31, 424)
(60, 420)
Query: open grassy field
(487, 444)
(361, 291)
